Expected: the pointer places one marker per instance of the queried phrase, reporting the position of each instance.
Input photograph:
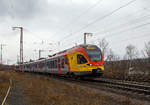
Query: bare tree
(103, 44)
(146, 53)
(111, 56)
(147, 49)
(131, 52)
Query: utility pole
(21, 46)
(85, 35)
(40, 53)
(2, 53)
(18, 59)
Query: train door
(72, 61)
(81, 62)
(64, 64)
(40, 66)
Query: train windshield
(94, 55)
(93, 52)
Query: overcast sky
(48, 22)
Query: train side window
(58, 60)
(37, 65)
(55, 63)
(66, 60)
(43, 64)
(47, 63)
(81, 59)
(62, 63)
(27, 66)
(51, 64)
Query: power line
(134, 21)
(139, 26)
(101, 18)
(36, 36)
(83, 13)
(127, 16)
(132, 28)
(88, 9)
(133, 38)
(118, 33)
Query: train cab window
(81, 59)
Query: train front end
(95, 59)
(87, 61)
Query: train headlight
(89, 64)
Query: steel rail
(127, 86)
(124, 86)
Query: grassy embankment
(43, 90)
(4, 84)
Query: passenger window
(62, 63)
(55, 62)
(66, 60)
(81, 59)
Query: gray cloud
(52, 20)
(19, 8)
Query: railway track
(133, 90)
(137, 88)
(130, 89)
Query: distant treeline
(5, 67)
(127, 69)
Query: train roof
(81, 45)
(64, 52)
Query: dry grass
(4, 84)
(43, 90)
